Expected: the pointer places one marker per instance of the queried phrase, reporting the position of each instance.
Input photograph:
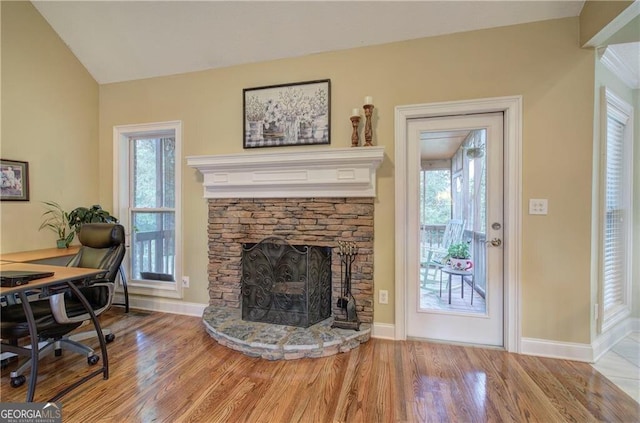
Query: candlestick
(355, 138)
(368, 132)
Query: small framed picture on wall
(15, 180)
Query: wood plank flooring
(166, 368)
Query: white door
(477, 198)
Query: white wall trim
(163, 305)
(121, 176)
(556, 349)
(589, 353)
(326, 172)
(383, 331)
(512, 109)
(620, 68)
(607, 340)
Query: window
(616, 213)
(148, 194)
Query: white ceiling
(441, 145)
(128, 40)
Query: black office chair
(103, 247)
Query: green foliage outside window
(435, 197)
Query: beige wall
(540, 61)
(49, 119)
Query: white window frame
(122, 135)
(614, 105)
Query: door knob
(495, 242)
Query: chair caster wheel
(93, 359)
(110, 338)
(18, 381)
(58, 352)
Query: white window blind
(616, 224)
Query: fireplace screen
(285, 284)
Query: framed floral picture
(14, 185)
(287, 114)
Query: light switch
(538, 206)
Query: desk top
(24, 256)
(61, 274)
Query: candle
(368, 100)
(355, 112)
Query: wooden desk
(68, 276)
(55, 256)
(37, 255)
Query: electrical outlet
(185, 281)
(538, 206)
(383, 296)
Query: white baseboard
(165, 305)
(580, 352)
(606, 341)
(529, 346)
(556, 349)
(383, 331)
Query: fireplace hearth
(285, 284)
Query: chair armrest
(59, 305)
(434, 255)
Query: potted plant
(458, 256)
(93, 214)
(57, 220)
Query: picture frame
(287, 114)
(14, 182)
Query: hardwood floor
(166, 368)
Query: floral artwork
(288, 114)
(14, 180)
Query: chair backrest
(453, 233)
(103, 247)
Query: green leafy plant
(459, 251)
(57, 220)
(93, 214)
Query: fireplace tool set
(347, 251)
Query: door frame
(511, 107)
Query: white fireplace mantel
(328, 172)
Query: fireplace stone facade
(312, 221)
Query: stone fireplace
(307, 197)
(313, 221)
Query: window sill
(156, 289)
